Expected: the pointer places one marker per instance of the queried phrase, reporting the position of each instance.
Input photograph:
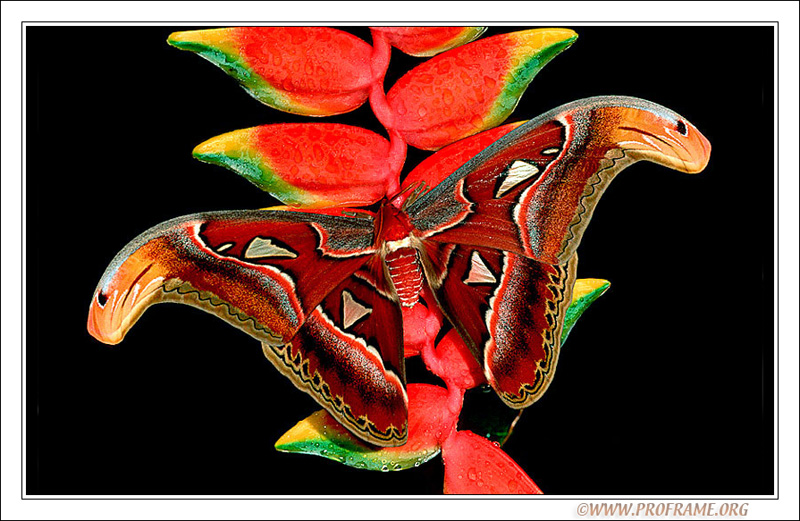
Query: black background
(664, 387)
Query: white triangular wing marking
(478, 272)
(517, 173)
(259, 248)
(352, 310)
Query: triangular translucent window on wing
(261, 247)
(479, 273)
(352, 310)
(518, 172)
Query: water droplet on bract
(323, 452)
(471, 474)
(384, 468)
(496, 443)
(397, 466)
(361, 464)
(416, 463)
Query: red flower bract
(475, 465)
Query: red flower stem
(455, 400)
(395, 162)
(455, 394)
(379, 64)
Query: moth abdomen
(405, 273)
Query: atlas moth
(494, 243)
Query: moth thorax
(406, 274)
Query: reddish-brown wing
(499, 235)
(349, 353)
(509, 310)
(534, 190)
(284, 277)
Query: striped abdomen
(406, 274)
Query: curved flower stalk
(319, 330)
(429, 41)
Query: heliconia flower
(429, 41)
(473, 464)
(306, 164)
(436, 167)
(314, 71)
(471, 88)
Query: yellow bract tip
(216, 38)
(232, 141)
(310, 428)
(585, 286)
(541, 38)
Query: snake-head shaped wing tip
(648, 131)
(126, 289)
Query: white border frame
(680, 13)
